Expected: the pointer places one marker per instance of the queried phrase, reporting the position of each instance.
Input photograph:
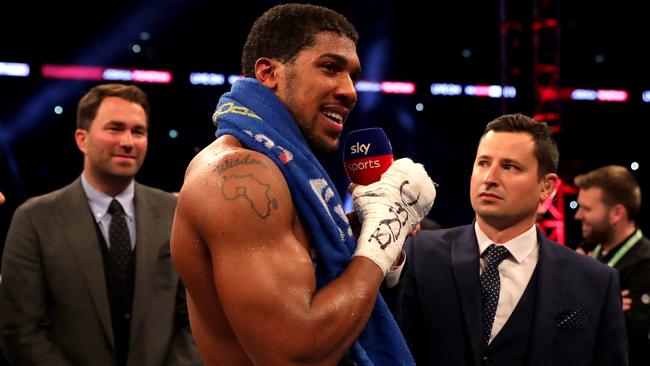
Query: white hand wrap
(390, 209)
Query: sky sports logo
(367, 154)
(359, 148)
(354, 166)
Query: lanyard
(629, 243)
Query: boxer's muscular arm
(264, 277)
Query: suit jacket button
(127, 316)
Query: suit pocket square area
(572, 319)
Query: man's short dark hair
(284, 30)
(546, 150)
(618, 185)
(90, 102)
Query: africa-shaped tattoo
(257, 194)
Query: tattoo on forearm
(257, 194)
(231, 163)
(390, 229)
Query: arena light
(386, 87)
(152, 76)
(601, 95)
(207, 78)
(367, 87)
(14, 69)
(397, 87)
(72, 72)
(646, 96)
(509, 92)
(138, 76)
(106, 73)
(234, 77)
(584, 94)
(117, 75)
(491, 91)
(446, 89)
(611, 95)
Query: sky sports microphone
(367, 155)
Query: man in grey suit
(87, 276)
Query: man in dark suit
(87, 277)
(497, 292)
(610, 200)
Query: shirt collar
(519, 247)
(99, 201)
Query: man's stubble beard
(307, 128)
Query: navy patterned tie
(490, 284)
(120, 240)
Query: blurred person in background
(609, 200)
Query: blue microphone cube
(367, 155)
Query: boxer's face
(317, 88)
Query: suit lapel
(551, 277)
(147, 234)
(76, 221)
(465, 263)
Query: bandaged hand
(390, 209)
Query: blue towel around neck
(257, 118)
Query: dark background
(601, 46)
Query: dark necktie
(120, 240)
(490, 284)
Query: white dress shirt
(514, 272)
(99, 202)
